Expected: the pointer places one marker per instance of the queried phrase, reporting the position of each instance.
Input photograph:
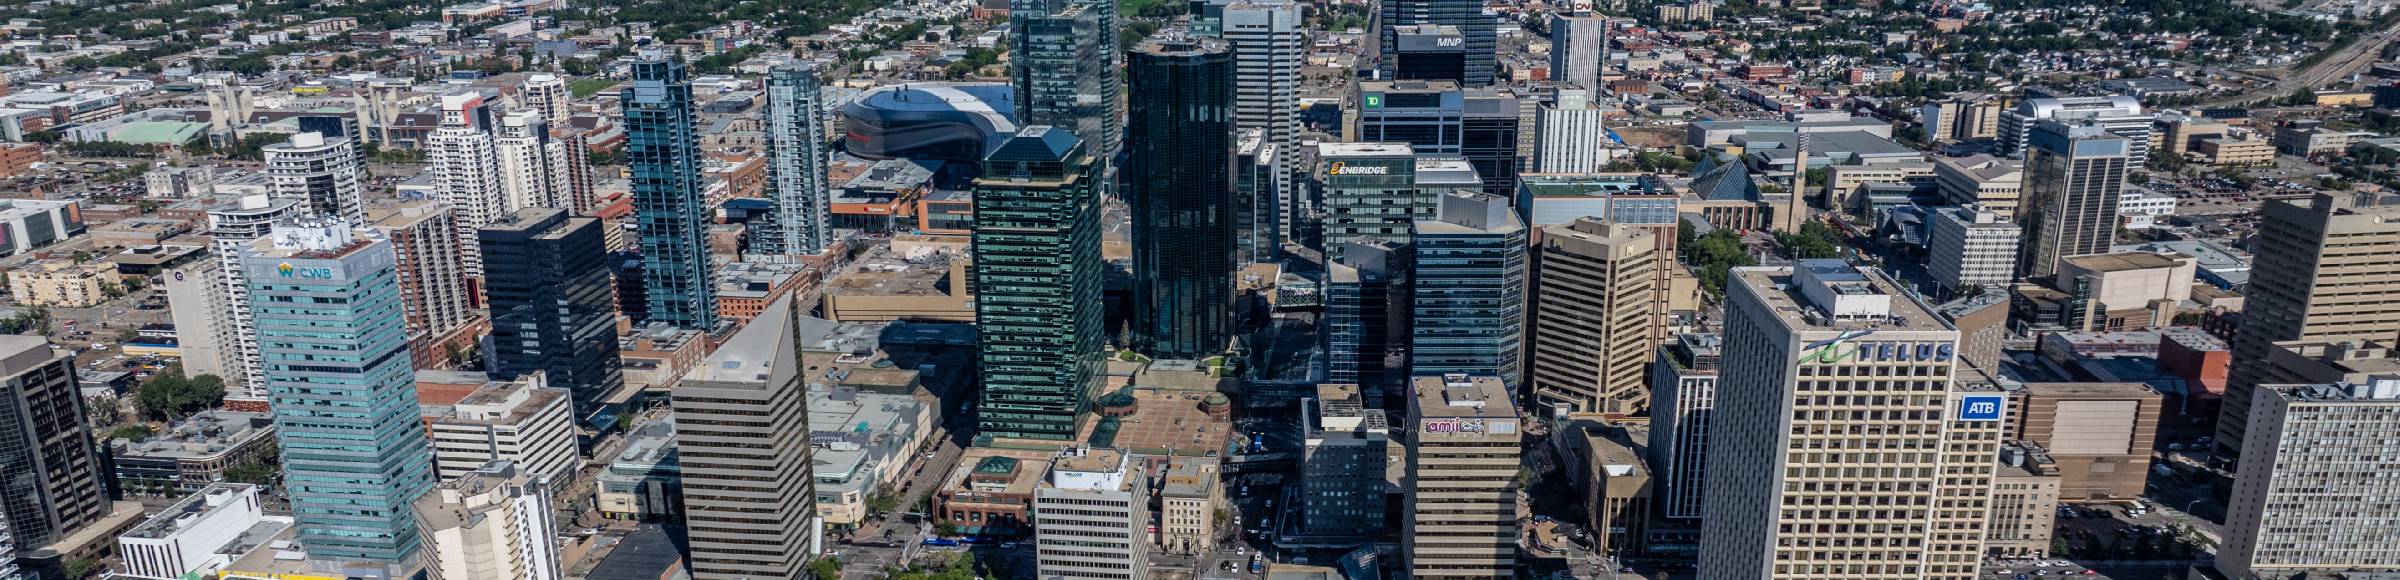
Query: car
(2091, 572)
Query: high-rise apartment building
(1962, 117)
(1480, 31)
(2323, 275)
(801, 223)
(495, 521)
(2074, 177)
(54, 486)
(542, 168)
(1064, 61)
(552, 306)
(203, 317)
(1342, 465)
(1366, 313)
(466, 172)
(1843, 448)
(1468, 290)
(1594, 298)
(1968, 246)
(432, 273)
(546, 94)
(525, 422)
(2313, 491)
(1037, 277)
(1578, 48)
(1463, 455)
(1179, 181)
(663, 150)
(322, 173)
(1437, 118)
(1092, 516)
(231, 229)
(354, 451)
(1684, 395)
(2117, 115)
(749, 493)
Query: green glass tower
(664, 153)
(1037, 284)
(1179, 178)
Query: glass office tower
(1179, 179)
(546, 280)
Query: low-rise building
(989, 493)
(645, 481)
(2097, 435)
(1189, 496)
(199, 534)
(525, 422)
(64, 283)
(2235, 152)
(746, 288)
(2024, 504)
(1616, 485)
(192, 453)
(922, 283)
(863, 444)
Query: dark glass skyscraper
(1481, 32)
(546, 278)
(1179, 178)
(53, 486)
(1037, 284)
(663, 151)
(1436, 118)
(795, 115)
(1468, 290)
(1064, 62)
(2074, 175)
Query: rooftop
(924, 271)
(207, 434)
(185, 513)
(1463, 396)
(1836, 296)
(1334, 150)
(2123, 261)
(751, 354)
(504, 402)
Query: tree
(171, 394)
(135, 432)
(945, 527)
(1812, 242)
(257, 472)
(80, 568)
(826, 568)
(881, 503)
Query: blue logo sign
(1981, 408)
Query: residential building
(1179, 176)
(2098, 436)
(231, 230)
(2326, 280)
(196, 303)
(1064, 63)
(1191, 493)
(1782, 430)
(749, 492)
(524, 422)
(197, 534)
(321, 292)
(1994, 183)
(1037, 275)
(540, 167)
(1962, 117)
(1595, 294)
(552, 311)
(2307, 496)
(1969, 246)
(546, 94)
(64, 283)
(432, 269)
(801, 223)
(2074, 177)
(1091, 516)
(662, 149)
(495, 521)
(1468, 290)
(1479, 31)
(466, 167)
(1342, 465)
(1463, 458)
(1684, 395)
(321, 173)
(2117, 115)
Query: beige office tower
(1597, 326)
(1462, 471)
(2314, 492)
(1840, 446)
(741, 423)
(2324, 273)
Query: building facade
(524, 422)
(1463, 457)
(1480, 31)
(1037, 283)
(2309, 495)
(1342, 466)
(802, 222)
(662, 150)
(56, 485)
(1468, 290)
(231, 230)
(1092, 516)
(2074, 177)
(2328, 279)
(1064, 62)
(1684, 395)
(465, 161)
(495, 521)
(749, 488)
(1594, 298)
(1179, 179)
(1968, 246)
(320, 172)
(552, 311)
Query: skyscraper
(333, 334)
(2074, 175)
(663, 151)
(1595, 298)
(1092, 516)
(1683, 396)
(1342, 467)
(2118, 114)
(1578, 46)
(1481, 31)
(552, 310)
(1428, 52)
(1037, 284)
(54, 484)
(1967, 246)
(1464, 451)
(1438, 118)
(1269, 41)
(1366, 312)
(1063, 59)
(800, 224)
(1803, 481)
(1260, 193)
(2313, 493)
(1572, 136)
(1179, 181)
(319, 172)
(546, 94)
(2323, 274)
(231, 229)
(542, 168)
(1468, 290)
(433, 281)
(466, 172)
(741, 428)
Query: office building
(465, 162)
(1179, 178)
(1342, 465)
(1262, 190)
(191, 453)
(1969, 246)
(2097, 435)
(432, 272)
(55, 486)
(1684, 395)
(2327, 280)
(1994, 183)
(2117, 115)
(542, 168)
(1595, 293)
(1437, 118)
(319, 172)
(1468, 290)
(1037, 282)
(1578, 49)
(1428, 52)
(196, 534)
(2311, 493)
(1269, 41)
(1463, 457)
(1797, 487)
(1611, 481)
(1189, 496)
(552, 311)
(1570, 136)
(662, 149)
(1092, 516)
(524, 422)
(1064, 61)
(1961, 117)
(1370, 189)
(495, 521)
(2074, 177)
(1366, 313)
(1478, 30)
(749, 489)
(2024, 505)
(231, 230)
(321, 292)
(801, 223)
(2121, 290)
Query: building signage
(287, 270)
(1374, 101)
(1828, 351)
(1981, 408)
(1454, 426)
(1344, 168)
(1449, 41)
(1838, 349)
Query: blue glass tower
(1037, 285)
(334, 343)
(664, 153)
(1469, 290)
(1179, 177)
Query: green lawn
(586, 86)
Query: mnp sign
(1981, 407)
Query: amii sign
(1454, 426)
